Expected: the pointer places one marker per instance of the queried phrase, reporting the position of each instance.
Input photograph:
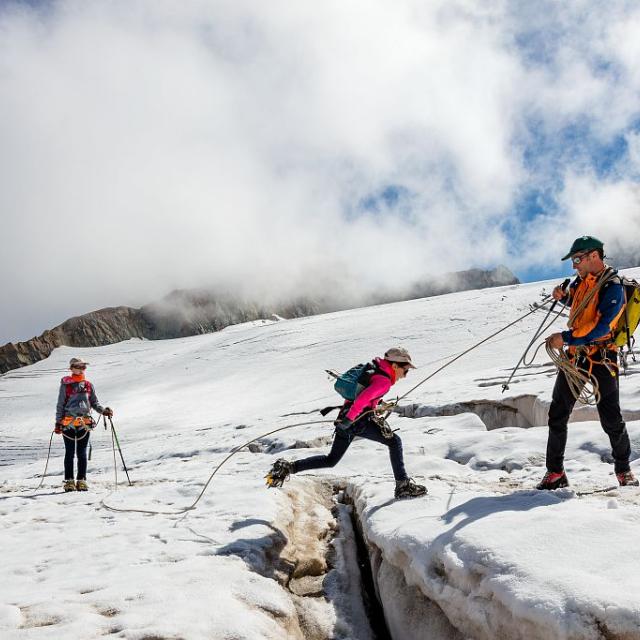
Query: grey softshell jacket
(80, 402)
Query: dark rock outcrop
(94, 329)
(458, 281)
(193, 312)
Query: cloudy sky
(147, 145)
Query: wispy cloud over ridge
(148, 145)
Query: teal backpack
(353, 381)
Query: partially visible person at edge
(588, 341)
(73, 420)
(358, 419)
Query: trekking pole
(113, 448)
(536, 335)
(115, 463)
(115, 435)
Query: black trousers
(608, 409)
(344, 437)
(78, 447)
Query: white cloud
(148, 145)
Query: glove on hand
(108, 412)
(343, 422)
(58, 428)
(385, 406)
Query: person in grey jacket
(73, 420)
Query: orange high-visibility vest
(588, 318)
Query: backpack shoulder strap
(379, 371)
(69, 386)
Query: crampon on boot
(81, 485)
(627, 479)
(553, 480)
(69, 485)
(409, 489)
(279, 472)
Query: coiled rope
(584, 387)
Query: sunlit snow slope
(482, 556)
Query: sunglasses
(577, 259)
(79, 366)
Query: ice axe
(536, 335)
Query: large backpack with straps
(353, 381)
(629, 320)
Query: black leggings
(363, 428)
(608, 409)
(78, 447)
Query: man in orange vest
(597, 302)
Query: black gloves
(108, 412)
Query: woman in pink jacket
(357, 418)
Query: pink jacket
(371, 395)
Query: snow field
(481, 556)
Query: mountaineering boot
(409, 489)
(69, 485)
(627, 479)
(279, 472)
(81, 485)
(553, 480)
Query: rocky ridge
(192, 312)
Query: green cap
(584, 243)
